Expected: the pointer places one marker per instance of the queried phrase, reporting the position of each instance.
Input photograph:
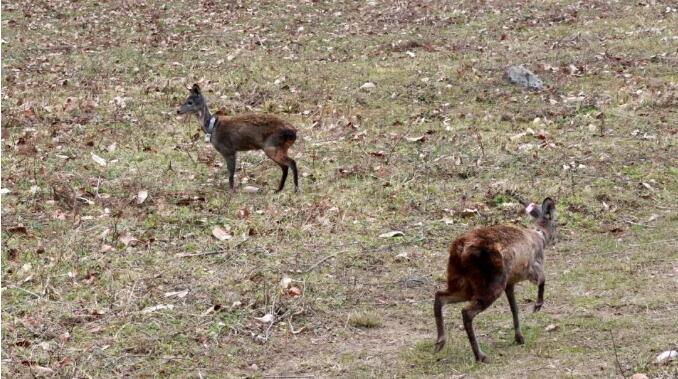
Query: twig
(186, 255)
(321, 261)
(24, 290)
(219, 250)
(616, 357)
(390, 153)
(364, 250)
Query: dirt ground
(112, 205)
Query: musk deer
(487, 261)
(244, 132)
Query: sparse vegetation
(364, 319)
(110, 266)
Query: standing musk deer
(245, 132)
(487, 261)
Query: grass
(365, 319)
(106, 78)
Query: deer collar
(210, 129)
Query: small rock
(551, 327)
(523, 77)
(402, 257)
(639, 376)
(250, 189)
(369, 86)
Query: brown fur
(252, 131)
(487, 261)
(256, 132)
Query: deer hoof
(482, 358)
(439, 346)
(519, 339)
(537, 307)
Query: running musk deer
(487, 261)
(244, 132)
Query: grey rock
(523, 77)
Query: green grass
(74, 294)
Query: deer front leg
(230, 164)
(541, 282)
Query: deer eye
(189, 103)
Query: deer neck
(205, 118)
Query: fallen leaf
(4, 191)
(65, 337)
(221, 234)
(157, 308)
(469, 212)
(243, 213)
(551, 327)
(666, 356)
(141, 196)
(250, 189)
(17, 229)
(285, 282)
(402, 257)
(391, 234)
(129, 240)
(416, 139)
(267, 318)
(41, 371)
(100, 161)
(211, 309)
(179, 294)
(294, 292)
(189, 200)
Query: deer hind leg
(442, 298)
(510, 295)
(468, 313)
(278, 154)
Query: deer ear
(548, 208)
(195, 89)
(533, 210)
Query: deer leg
(541, 281)
(230, 164)
(279, 156)
(295, 175)
(442, 298)
(284, 169)
(510, 295)
(467, 314)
